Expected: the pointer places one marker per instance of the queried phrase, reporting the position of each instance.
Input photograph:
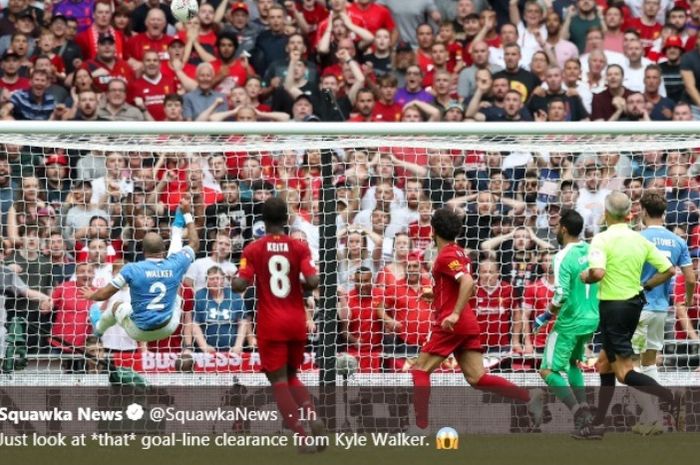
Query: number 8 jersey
(277, 262)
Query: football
(184, 10)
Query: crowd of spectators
(75, 216)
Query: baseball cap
(26, 13)
(56, 158)
(9, 53)
(240, 6)
(403, 47)
(414, 256)
(106, 38)
(673, 41)
(175, 39)
(58, 17)
(454, 105)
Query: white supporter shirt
(369, 200)
(197, 271)
(99, 188)
(634, 78)
(591, 206)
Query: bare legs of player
(293, 400)
(472, 365)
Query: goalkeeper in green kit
(575, 305)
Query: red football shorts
(444, 343)
(275, 355)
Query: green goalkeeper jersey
(578, 314)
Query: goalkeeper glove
(542, 320)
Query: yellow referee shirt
(622, 253)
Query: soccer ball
(184, 10)
(345, 364)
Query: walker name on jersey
(159, 274)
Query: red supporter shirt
(274, 263)
(536, 298)
(449, 267)
(354, 17)
(141, 43)
(647, 34)
(153, 94)
(313, 18)
(389, 113)
(425, 62)
(493, 310)
(679, 298)
(374, 16)
(21, 84)
(421, 235)
(71, 323)
(206, 40)
(363, 323)
(87, 41)
(174, 342)
(403, 303)
(102, 74)
(236, 76)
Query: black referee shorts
(618, 321)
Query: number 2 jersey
(154, 285)
(276, 262)
(449, 266)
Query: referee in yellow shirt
(615, 260)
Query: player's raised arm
(193, 236)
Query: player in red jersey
(455, 328)
(275, 262)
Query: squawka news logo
(447, 439)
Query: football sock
(576, 382)
(503, 387)
(301, 395)
(287, 407)
(106, 321)
(648, 385)
(421, 396)
(560, 388)
(607, 389)
(651, 371)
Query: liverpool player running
(455, 328)
(276, 261)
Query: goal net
(362, 198)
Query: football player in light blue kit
(648, 339)
(154, 283)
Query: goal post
(327, 204)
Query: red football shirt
(389, 113)
(363, 323)
(375, 16)
(141, 43)
(421, 235)
(236, 76)
(493, 311)
(647, 34)
(403, 303)
(449, 267)
(21, 84)
(71, 323)
(679, 298)
(536, 298)
(102, 74)
(275, 262)
(87, 41)
(153, 94)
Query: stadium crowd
(73, 217)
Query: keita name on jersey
(277, 247)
